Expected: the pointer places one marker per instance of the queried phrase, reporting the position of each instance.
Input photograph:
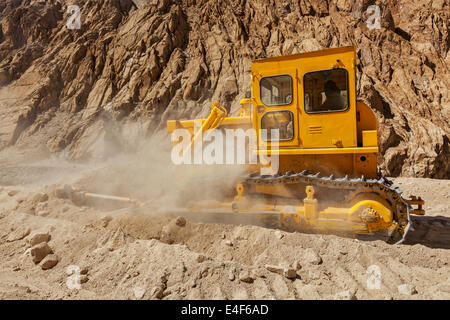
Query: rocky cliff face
(135, 63)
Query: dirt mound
(134, 64)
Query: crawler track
(382, 187)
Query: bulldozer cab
(310, 98)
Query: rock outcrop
(135, 63)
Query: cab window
(281, 120)
(326, 90)
(276, 90)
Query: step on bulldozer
(326, 145)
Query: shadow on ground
(433, 232)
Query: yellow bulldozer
(326, 145)
(304, 114)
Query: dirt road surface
(93, 254)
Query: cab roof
(310, 54)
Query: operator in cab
(334, 100)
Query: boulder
(49, 261)
(39, 251)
